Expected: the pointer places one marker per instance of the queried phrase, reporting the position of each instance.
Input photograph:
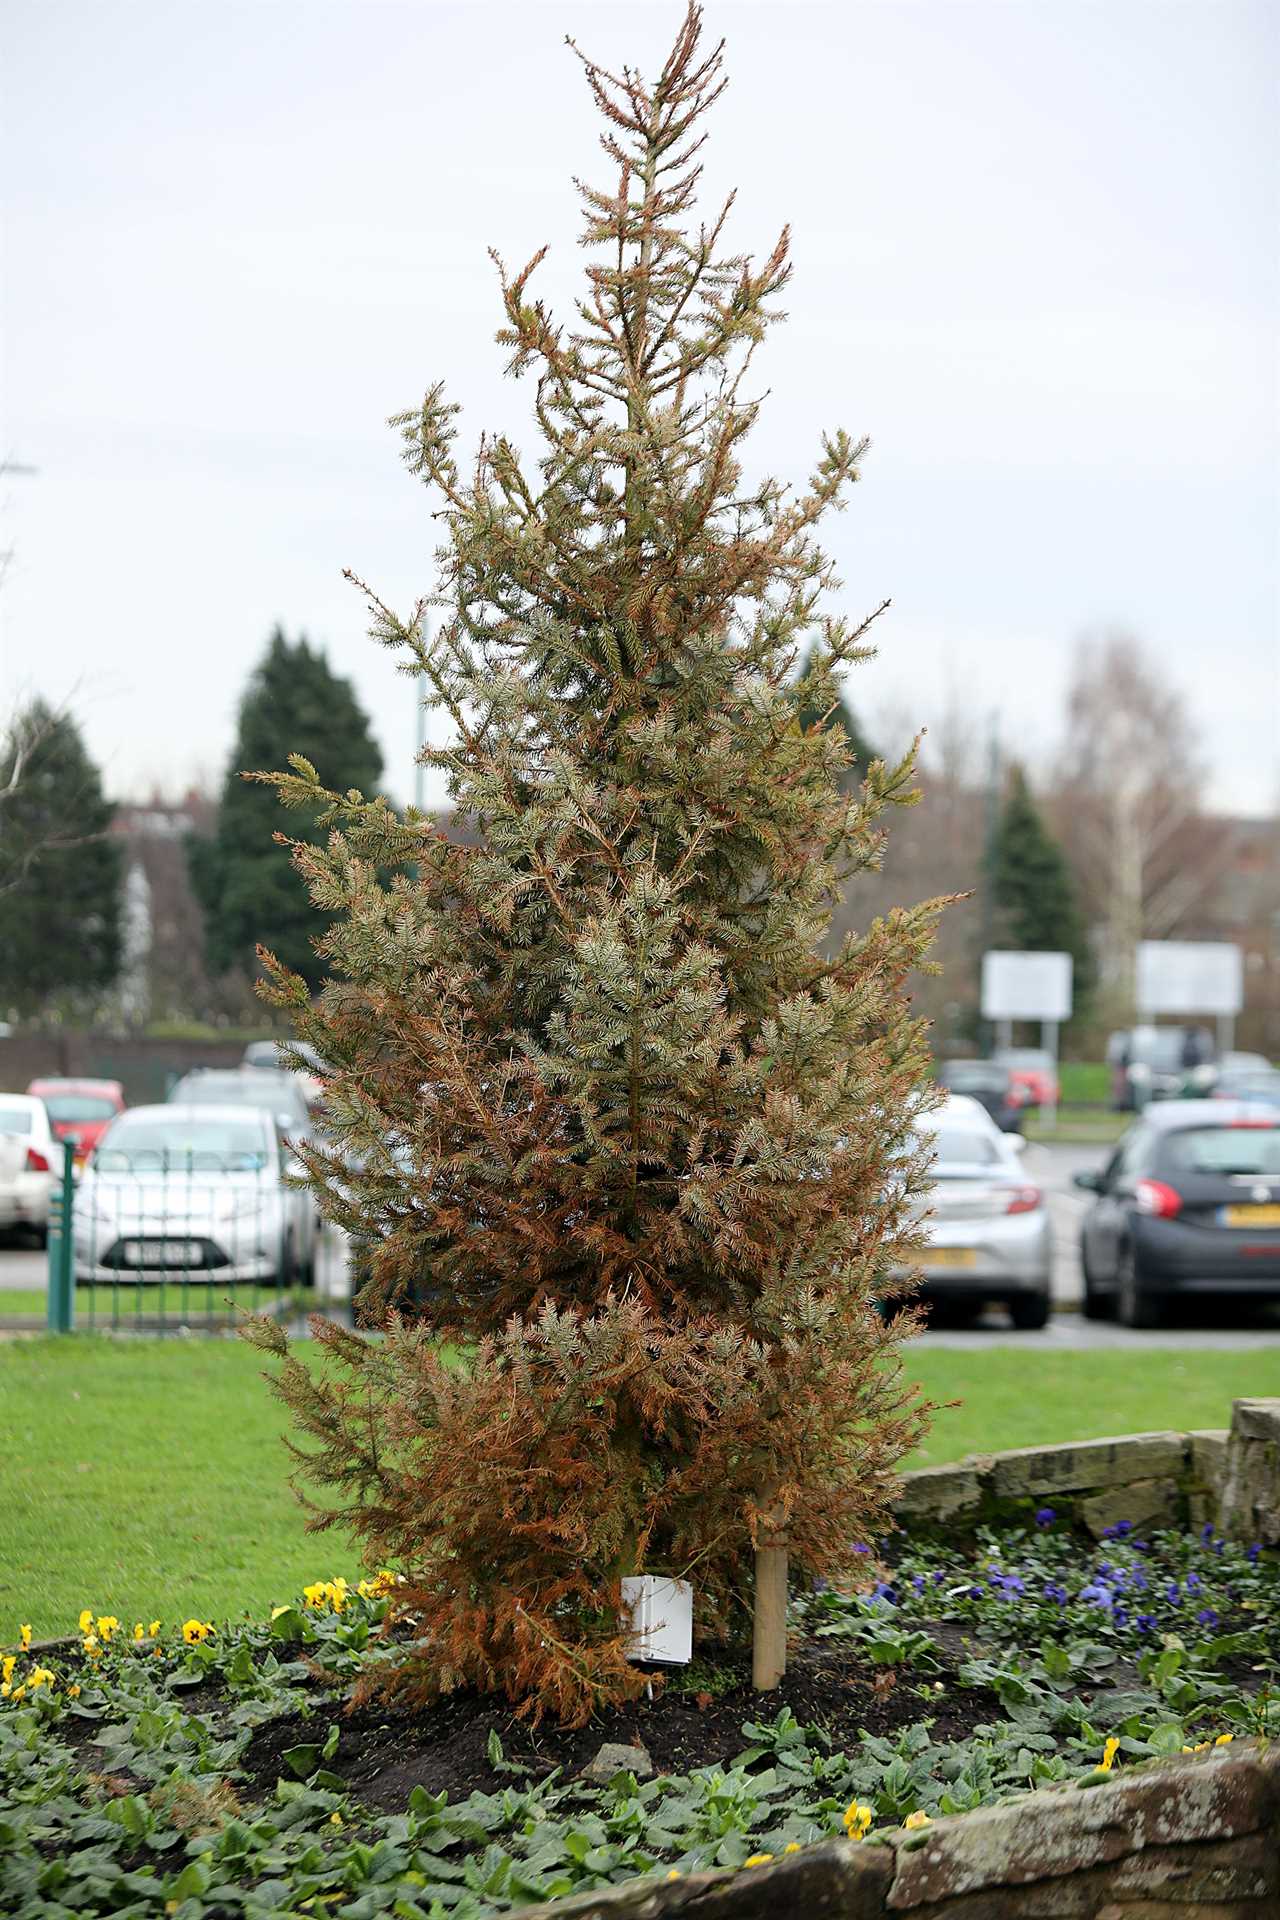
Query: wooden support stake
(769, 1639)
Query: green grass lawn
(158, 1300)
(1087, 1080)
(145, 1477)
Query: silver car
(989, 1235)
(194, 1191)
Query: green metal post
(62, 1275)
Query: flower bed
(201, 1768)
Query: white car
(31, 1160)
(988, 1229)
(192, 1191)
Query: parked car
(1034, 1069)
(31, 1159)
(266, 1053)
(1187, 1205)
(1150, 1063)
(1259, 1084)
(990, 1086)
(273, 1089)
(987, 1224)
(192, 1190)
(80, 1110)
(1233, 1062)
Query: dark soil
(384, 1752)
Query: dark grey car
(990, 1085)
(1188, 1205)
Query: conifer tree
(241, 878)
(1032, 883)
(597, 1110)
(60, 872)
(841, 715)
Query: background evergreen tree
(60, 875)
(598, 1109)
(810, 714)
(241, 876)
(1032, 884)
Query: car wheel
(1095, 1305)
(1029, 1311)
(1135, 1305)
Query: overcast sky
(1035, 245)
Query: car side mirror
(1091, 1182)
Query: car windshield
(15, 1119)
(207, 1146)
(66, 1108)
(956, 1146)
(1245, 1149)
(276, 1092)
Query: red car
(1033, 1071)
(80, 1111)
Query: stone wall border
(1229, 1476)
(1193, 1838)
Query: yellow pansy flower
(916, 1820)
(86, 1621)
(193, 1631)
(24, 1634)
(1224, 1740)
(74, 1689)
(41, 1677)
(792, 1846)
(7, 1665)
(107, 1624)
(153, 1629)
(139, 1632)
(1109, 1753)
(857, 1820)
(757, 1859)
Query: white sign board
(1026, 986)
(1189, 976)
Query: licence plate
(1250, 1216)
(948, 1257)
(163, 1253)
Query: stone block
(1145, 1502)
(1249, 1502)
(931, 1495)
(1059, 1832)
(1208, 1455)
(835, 1880)
(1256, 1419)
(615, 1758)
(1081, 1466)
